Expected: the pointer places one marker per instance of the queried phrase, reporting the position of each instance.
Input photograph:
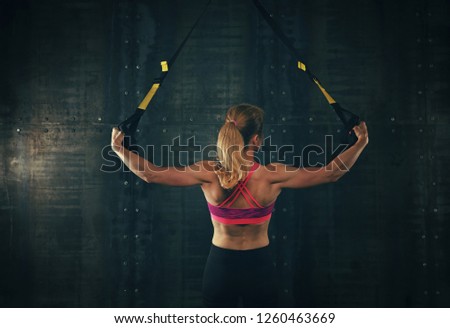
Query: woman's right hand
(116, 139)
(361, 133)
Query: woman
(240, 194)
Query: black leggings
(234, 275)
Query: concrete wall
(73, 235)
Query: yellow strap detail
(301, 66)
(143, 105)
(325, 93)
(164, 66)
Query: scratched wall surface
(76, 231)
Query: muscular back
(250, 236)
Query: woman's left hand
(116, 138)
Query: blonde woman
(241, 194)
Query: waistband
(242, 255)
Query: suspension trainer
(349, 119)
(129, 126)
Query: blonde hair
(241, 123)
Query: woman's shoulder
(276, 167)
(270, 167)
(207, 166)
(275, 171)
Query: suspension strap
(348, 118)
(129, 126)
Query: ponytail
(230, 145)
(242, 121)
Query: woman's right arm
(285, 176)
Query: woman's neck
(249, 156)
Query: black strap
(129, 126)
(277, 30)
(348, 118)
(175, 55)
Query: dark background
(74, 236)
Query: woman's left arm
(198, 173)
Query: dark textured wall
(72, 235)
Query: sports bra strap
(241, 187)
(249, 194)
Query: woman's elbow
(336, 175)
(147, 177)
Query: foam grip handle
(351, 138)
(354, 121)
(349, 120)
(129, 127)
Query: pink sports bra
(253, 215)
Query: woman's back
(259, 186)
(255, 193)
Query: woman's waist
(239, 246)
(237, 236)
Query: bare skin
(265, 184)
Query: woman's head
(241, 132)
